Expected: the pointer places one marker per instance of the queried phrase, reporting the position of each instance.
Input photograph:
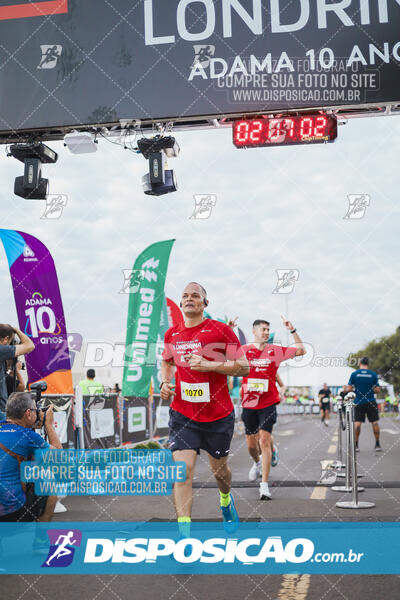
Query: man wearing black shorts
(324, 396)
(364, 382)
(201, 353)
(260, 395)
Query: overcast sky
(279, 208)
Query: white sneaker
(255, 471)
(265, 494)
(60, 508)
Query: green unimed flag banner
(146, 297)
(164, 325)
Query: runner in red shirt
(201, 354)
(260, 396)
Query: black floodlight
(159, 143)
(32, 185)
(157, 167)
(159, 189)
(159, 180)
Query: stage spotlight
(167, 144)
(32, 185)
(158, 189)
(159, 180)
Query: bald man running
(201, 354)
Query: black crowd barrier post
(354, 502)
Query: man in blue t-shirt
(364, 382)
(18, 442)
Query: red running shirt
(259, 388)
(201, 396)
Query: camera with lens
(38, 387)
(15, 340)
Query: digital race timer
(266, 131)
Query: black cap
(364, 361)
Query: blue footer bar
(207, 548)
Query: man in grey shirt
(9, 351)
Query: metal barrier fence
(86, 421)
(298, 409)
(63, 406)
(135, 420)
(101, 421)
(108, 420)
(160, 417)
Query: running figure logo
(132, 280)
(202, 54)
(55, 204)
(357, 206)
(286, 281)
(62, 547)
(50, 55)
(203, 205)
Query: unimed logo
(32, 9)
(190, 550)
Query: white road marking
(294, 587)
(318, 493)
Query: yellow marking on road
(294, 587)
(325, 464)
(318, 493)
(332, 449)
(285, 432)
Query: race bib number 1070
(195, 392)
(257, 385)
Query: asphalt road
(296, 496)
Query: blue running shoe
(184, 534)
(188, 549)
(230, 516)
(275, 456)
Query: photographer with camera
(9, 350)
(18, 442)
